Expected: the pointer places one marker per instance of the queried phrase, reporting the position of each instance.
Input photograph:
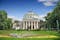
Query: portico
(32, 25)
(30, 21)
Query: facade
(30, 21)
(17, 25)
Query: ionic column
(34, 25)
(23, 24)
(26, 25)
(31, 25)
(37, 24)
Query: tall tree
(57, 14)
(5, 22)
(3, 17)
(9, 23)
(53, 18)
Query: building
(30, 21)
(17, 25)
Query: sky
(17, 8)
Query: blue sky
(17, 8)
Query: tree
(5, 22)
(9, 23)
(3, 17)
(53, 18)
(57, 14)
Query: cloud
(48, 2)
(15, 18)
(42, 17)
(10, 16)
(41, 0)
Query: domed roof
(30, 15)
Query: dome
(30, 15)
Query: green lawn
(33, 32)
(7, 32)
(29, 38)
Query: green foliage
(53, 16)
(3, 17)
(5, 22)
(9, 23)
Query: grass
(29, 38)
(7, 32)
(45, 32)
(33, 32)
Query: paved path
(4, 36)
(46, 36)
(32, 36)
